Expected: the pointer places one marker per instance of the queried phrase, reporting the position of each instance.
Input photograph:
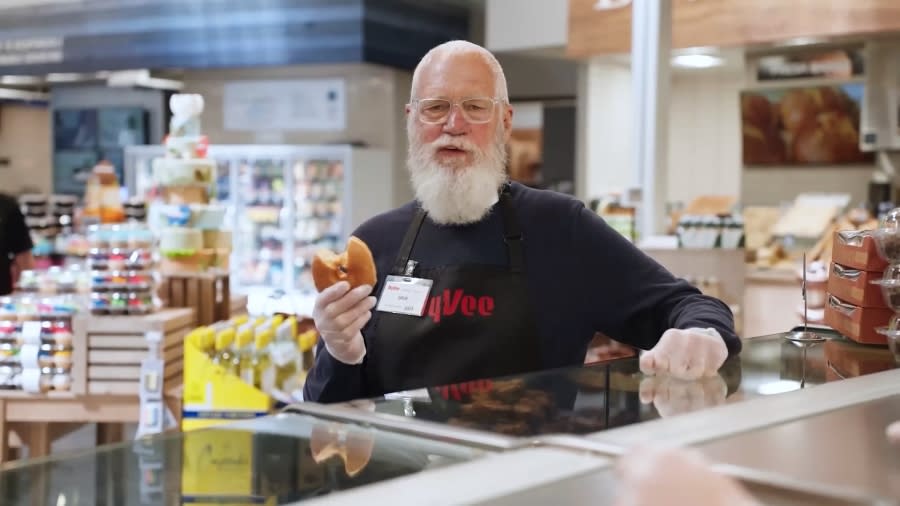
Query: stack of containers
(36, 336)
(121, 260)
(855, 306)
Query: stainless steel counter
(541, 476)
(845, 447)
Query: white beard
(457, 196)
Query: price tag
(28, 356)
(31, 380)
(31, 332)
(152, 370)
(404, 295)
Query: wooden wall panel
(729, 23)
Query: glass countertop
(607, 395)
(281, 459)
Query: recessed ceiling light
(63, 77)
(605, 5)
(804, 41)
(697, 61)
(20, 80)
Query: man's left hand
(686, 354)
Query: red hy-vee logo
(449, 304)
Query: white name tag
(404, 295)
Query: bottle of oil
(224, 351)
(263, 372)
(208, 342)
(306, 342)
(244, 356)
(284, 356)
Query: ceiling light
(141, 78)
(63, 77)
(605, 5)
(20, 80)
(28, 96)
(697, 61)
(803, 41)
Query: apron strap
(512, 234)
(406, 247)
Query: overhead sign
(823, 64)
(31, 51)
(299, 104)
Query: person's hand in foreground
(670, 476)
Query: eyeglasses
(437, 110)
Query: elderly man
(510, 279)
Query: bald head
(448, 58)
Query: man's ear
(507, 122)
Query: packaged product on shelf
(54, 281)
(121, 260)
(36, 342)
(103, 202)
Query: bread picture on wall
(802, 126)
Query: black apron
(478, 321)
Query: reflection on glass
(615, 393)
(292, 458)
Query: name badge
(404, 295)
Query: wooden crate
(116, 345)
(209, 294)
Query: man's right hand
(340, 314)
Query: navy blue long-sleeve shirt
(583, 277)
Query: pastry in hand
(355, 265)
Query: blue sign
(93, 35)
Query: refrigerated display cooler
(283, 204)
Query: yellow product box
(224, 381)
(212, 395)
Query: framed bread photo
(817, 125)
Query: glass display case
(283, 204)
(614, 394)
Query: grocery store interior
(175, 174)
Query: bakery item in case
(186, 180)
(180, 241)
(356, 266)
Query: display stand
(108, 354)
(209, 293)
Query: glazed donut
(356, 266)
